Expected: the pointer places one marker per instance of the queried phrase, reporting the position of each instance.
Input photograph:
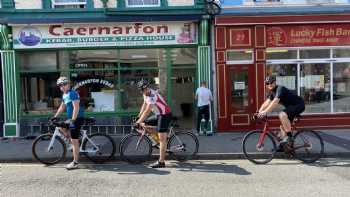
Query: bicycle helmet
(143, 84)
(62, 81)
(270, 79)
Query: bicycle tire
(131, 153)
(308, 153)
(188, 148)
(104, 142)
(251, 151)
(45, 157)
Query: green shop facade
(104, 55)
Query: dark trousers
(203, 110)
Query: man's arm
(273, 104)
(60, 110)
(145, 114)
(265, 105)
(76, 107)
(143, 107)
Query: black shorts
(294, 110)
(75, 133)
(162, 122)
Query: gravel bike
(51, 148)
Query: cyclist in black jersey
(294, 105)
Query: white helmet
(62, 81)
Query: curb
(200, 156)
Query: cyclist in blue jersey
(75, 117)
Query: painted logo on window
(29, 36)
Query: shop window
(142, 3)
(315, 54)
(341, 87)
(286, 75)
(68, 3)
(341, 53)
(180, 2)
(315, 87)
(241, 56)
(279, 54)
(105, 79)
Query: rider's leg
(162, 146)
(206, 116)
(286, 125)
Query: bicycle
(51, 148)
(259, 146)
(137, 147)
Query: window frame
(331, 61)
(138, 6)
(54, 3)
(230, 62)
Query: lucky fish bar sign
(308, 35)
(104, 34)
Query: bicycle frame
(58, 133)
(143, 131)
(267, 130)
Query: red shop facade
(308, 54)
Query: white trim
(143, 5)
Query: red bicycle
(259, 146)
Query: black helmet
(143, 84)
(270, 79)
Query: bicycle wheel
(99, 147)
(255, 154)
(42, 153)
(308, 146)
(183, 145)
(135, 148)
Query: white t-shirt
(159, 106)
(204, 96)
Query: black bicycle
(137, 147)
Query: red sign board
(308, 35)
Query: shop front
(1, 104)
(308, 54)
(103, 62)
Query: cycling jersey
(68, 99)
(159, 106)
(287, 97)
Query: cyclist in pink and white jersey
(154, 102)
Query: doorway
(241, 95)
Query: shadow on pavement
(332, 162)
(127, 169)
(200, 166)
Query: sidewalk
(218, 146)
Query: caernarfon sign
(103, 34)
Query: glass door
(241, 94)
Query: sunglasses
(63, 84)
(269, 83)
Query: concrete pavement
(218, 146)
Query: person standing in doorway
(203, 97)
